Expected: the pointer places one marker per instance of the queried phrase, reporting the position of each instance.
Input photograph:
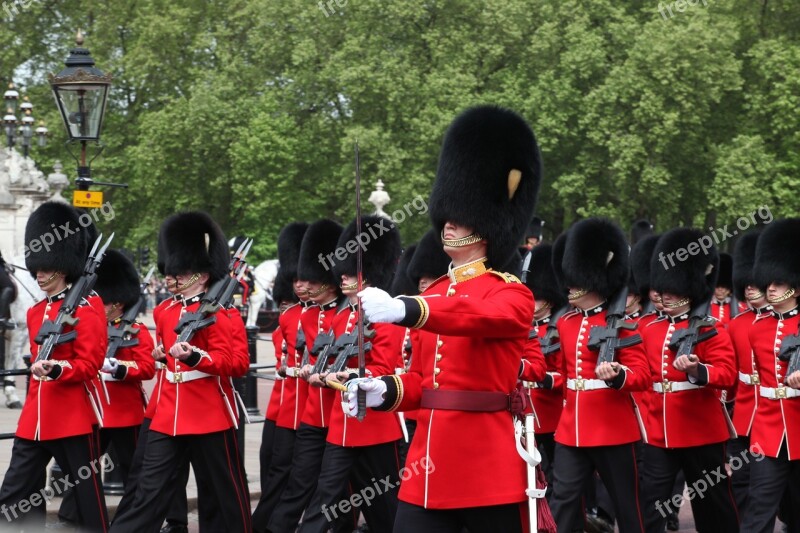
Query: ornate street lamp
(10, 124)
(81, 93)
(10, 98)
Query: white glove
(110, 365)
(378, 306)
(375, 389)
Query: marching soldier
(775, 433)
(599, 426)
(57, 418)
(746, 391)
(547, 396)
(687, 425)
(314, 268)
(533, 237)
(193, 417)
(472, 328)
(639, 230)
(295, 390)
(721, 304)
(370, 446)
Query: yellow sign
(87, 198)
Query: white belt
(105, 376)
(183, 377)
(531, 385)
(674, 386)
(778, 393)
(580, 384)
(399, 371)
(160, 365)
(750, 379)
(292, 372)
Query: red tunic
(600, 417)
(58, 408)
(548, 403)
(378, 426)
(150, 410)
(197, 406)
(721, 311)
(642, 398)
(746, 394)
(317, 411)
(274, 404)
(777, 421)
(687, 418)
(472, 340)
(404, 359)
(240, 358)
(295, 390)
(126, 395)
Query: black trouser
(546, 444)
(739, 449)
(616, 466)
(491, 519)
(411, 428)
(176, 501)
(124, 440)
(376, 480)
(309, 447)
(217, 467)
(710, 488)
(135, 469)
(276, 479)
(769, 478)
(23, 495)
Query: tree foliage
(250, 108)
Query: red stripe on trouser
(636, 485)
(237, 486)
(100, 499)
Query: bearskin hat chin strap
(462, 242)
(785, 296)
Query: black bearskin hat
(289, 240)
(429, 259)
(379, 253)
(641, 253)
(640, 229)
(541, 279)
(117, 280)
(725, 277)
(488, 178)
(778, 254)
(67, 253)
(161, 253)
(514, 265)
(283, 288)
(744, 258)
(595, 257)
(402, 282)
(535, 228)
(674, 270)
(317, 252)
(194, 243)
(558, 256)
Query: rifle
(220, 295)
(606, 338)
(548, 340)
(685, 339)
(347, 346)
(117, 334)
(300, 346)
(51, 333)
(322, 346)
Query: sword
(361, 394)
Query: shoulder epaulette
(505, 276)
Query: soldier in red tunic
(599, 427)
(193, 416)
(723, 307)
(686, 425)
(57, 418)
(294, 390)
(775, 433)
(746, 390)
(547, 395)
(472, 328)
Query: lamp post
(81, 93)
